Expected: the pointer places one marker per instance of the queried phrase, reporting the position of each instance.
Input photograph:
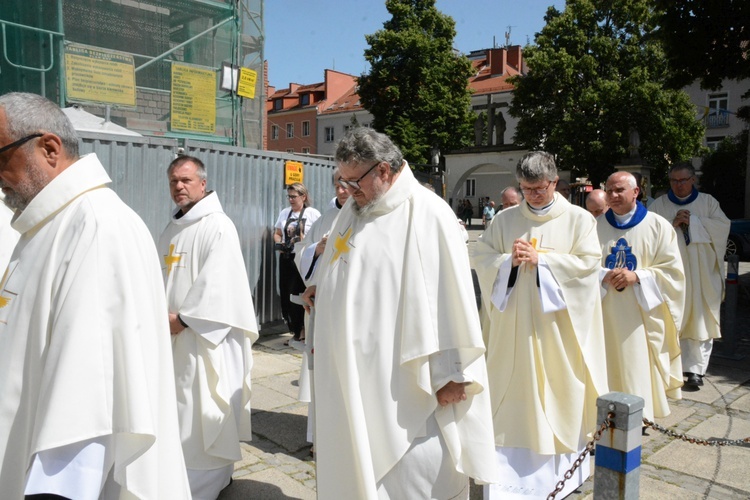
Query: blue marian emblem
(621, 257)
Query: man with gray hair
(510, 197)
(643, 286)
(538, 269)
(402, 409)
(213, 326)
(88, 393)
(702, 230)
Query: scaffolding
(186, 69)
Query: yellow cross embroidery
(171, 259)
(341, 245)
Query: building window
(718, 114)
(290, 150)
(274, 132)
(306, 151)
(305, 129)
(713, 142)
(470, 188)
(290, 130)
(329, 134)
(304, 99)
(278, 104)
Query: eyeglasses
(530, 191)
(292, 196)
(681, 181)
(355, 184)
(19, 142)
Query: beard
(25, 191)
(367, 209)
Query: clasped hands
(523, 251)
(620, 278)
(682, 219)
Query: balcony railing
(717, 120)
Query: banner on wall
(293, 172)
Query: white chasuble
(546, 369)
(84, 341)
(8, 235)
(396, 320)
(206, 284)
(703, 260)
(641, 335)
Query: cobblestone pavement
(278, 463)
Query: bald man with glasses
(702, 231)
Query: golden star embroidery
(341, 245)
(534, 242)
(5, 299)
(171, 259)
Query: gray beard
(366, 210)
(26, 190)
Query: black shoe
(694, 380)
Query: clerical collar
(682, 201)
(628, 220)
(541, 211)
(338, 205)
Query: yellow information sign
(293, 172)
(193, 99)
(96, 75)
(246, 87)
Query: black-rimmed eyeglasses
(19, 142)
(355, 184)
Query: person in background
(488, 213)
(400, 381)
(642, 195)
(702, 232)
(213, 326)
(563, 187)
(538, 269)
(596, 202)
(644, 296)
(88, 392)
(510, 197)
(291, 227)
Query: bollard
(618, 452)
(726, 348)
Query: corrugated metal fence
(249, 183)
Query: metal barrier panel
(249, 184)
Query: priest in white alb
(87, 390)
(643, 283)
(702, 230)
(402, 407)
(213, 325)
(538, 269)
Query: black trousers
(290, 283)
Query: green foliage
(724, 172)
(595, 75)
(705, 39)
(417, 89)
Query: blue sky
(305, 37)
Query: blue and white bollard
(618, 452)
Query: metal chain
(689, 439)
(589, 447)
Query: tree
(706, 40)
(594, 77)
(416, 88)
(724, 174)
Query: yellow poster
(246, 87)
(193, 99)
(293, 172)
(96, 75)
